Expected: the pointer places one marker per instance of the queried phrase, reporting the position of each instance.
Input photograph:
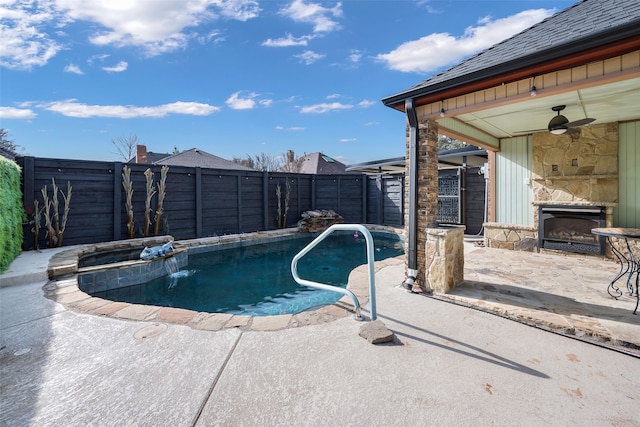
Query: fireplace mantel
(573, 177)
(573, 203)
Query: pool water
(256, 280)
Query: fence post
(364, 198)
(313, 192)
(198, 195)
(265, 199)
(339, 190)
(380, 200)
(239, 192)
(117, 201)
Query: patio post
(422, 199)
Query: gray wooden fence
(201, 202)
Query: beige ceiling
(612, 102)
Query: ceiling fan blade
(580, 122)
(529, 131)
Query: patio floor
(566, 293)
(448, 365)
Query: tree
(260, 162)
(126, 146)
(292, 164)
(446, 143)
(6, 143)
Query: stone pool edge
(62, 288)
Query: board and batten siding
(627, 213)
(513, 182)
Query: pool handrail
(370, 263)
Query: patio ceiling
(612, 102)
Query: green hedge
(11, 212)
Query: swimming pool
(256, 280)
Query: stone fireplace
(568, 228)
(577, 172)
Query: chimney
(290, 157)
(141, 154)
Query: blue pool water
(256, 280)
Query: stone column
(427, 200)
(440, 251)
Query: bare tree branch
(126, 146)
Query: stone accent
(444, 258)
(427, 193)
(581, 168)
(511, 236)
(376, 332)
(317, 221)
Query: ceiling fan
(559, 124)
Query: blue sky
(232, 77)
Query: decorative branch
(128, 189)
(51, 232)
(286, 202)
(162, 189)
(147, 204)
(279, 198)
(54, 208)
(65, 214)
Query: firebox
(568, 228)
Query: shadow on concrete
(472, 351)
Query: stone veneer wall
(571, 169)
(576, 170)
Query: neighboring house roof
(155, 157)
(318, 163)
(582, 27)
(198, 158)
(151, 157)
(471, 156)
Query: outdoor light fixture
(442, 109)
(534, 91)
(558, 131)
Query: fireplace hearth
(568, 228)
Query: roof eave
(613, 42)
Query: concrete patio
(450, 364)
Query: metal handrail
(370, 262)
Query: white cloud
(246, 102)
(287, 41)
(325, 108)
(72, 68)
(240, 10)
(155, 26)
(365, 103)
(347, 140)
(355, 56)
(322, 18)
(72, 108)
(309, 57)
(371, 123)
(16, 113)
(437, 50)
(292, 128)
(24, 43)
(99, 57)
(118, 68)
